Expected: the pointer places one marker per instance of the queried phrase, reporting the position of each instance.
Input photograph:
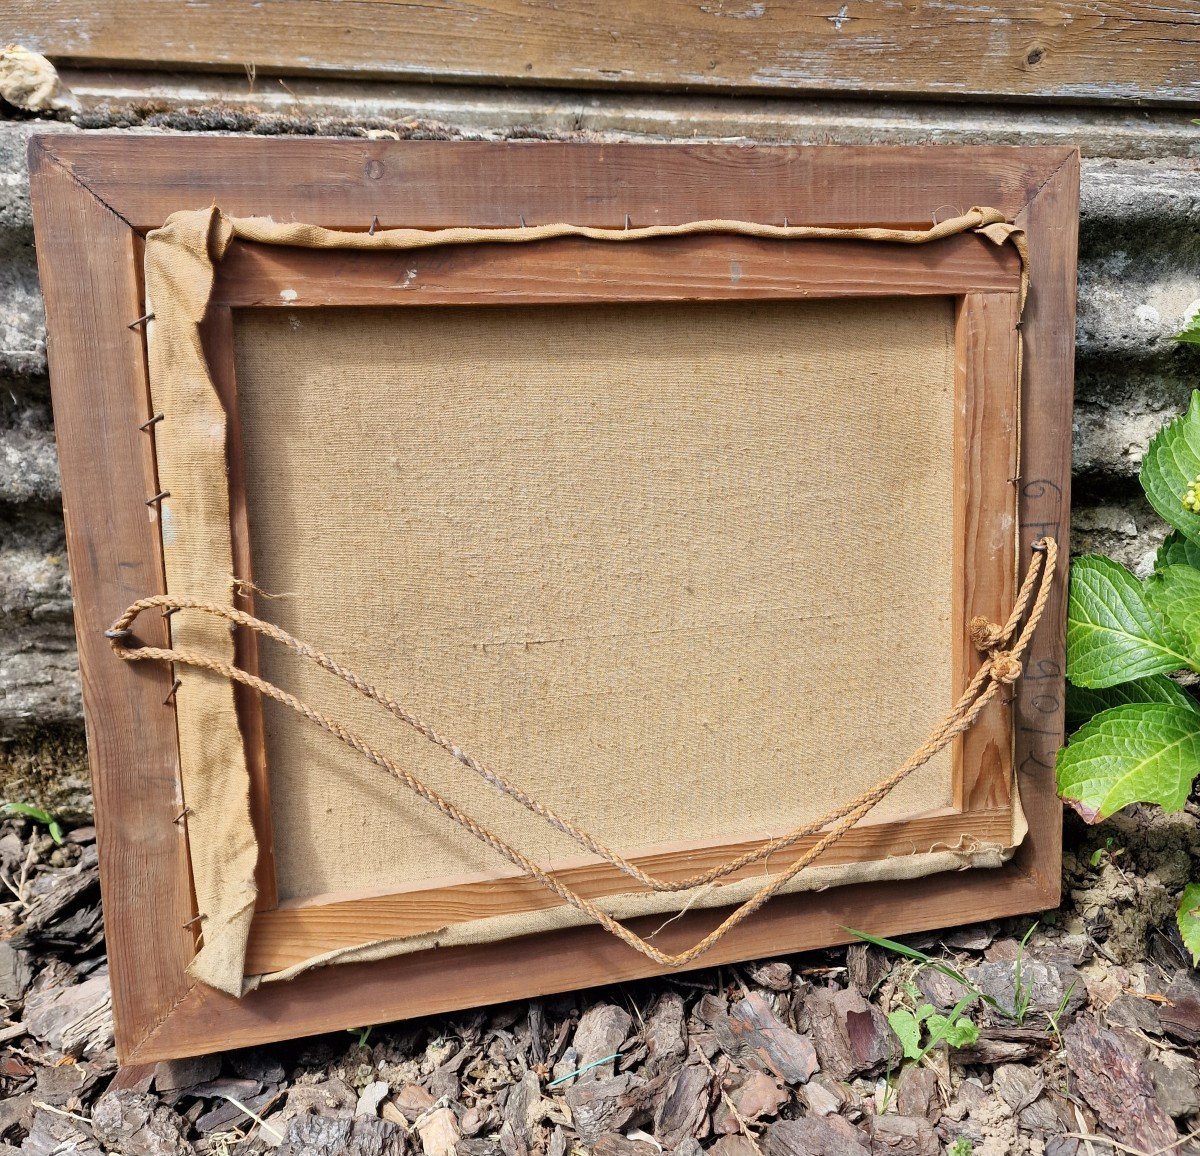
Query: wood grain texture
(433, 184)
(1051, 222)
(92, 287)
(701, 268)
(90, 192)
(429, 982)
(986, 460)
(1110, 51)
(297, 931)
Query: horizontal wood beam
(435, 184)
(1090, 51)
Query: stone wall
(1139, 276)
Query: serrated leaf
(1177, 550)
(959, 1033)
(1084, 702)
(907, 1030)
(1113, 636)
(1188, 918)
(1143, 753)
(1190, 332)
(1171, 464)
(1174, 592)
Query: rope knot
(985, 635)
(1005, 668)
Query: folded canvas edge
(190, 445)
(624, 907)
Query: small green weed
(922, 1029)
(38, 815)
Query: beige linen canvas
(673, 568)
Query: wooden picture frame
(96, 196)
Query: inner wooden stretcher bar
(980, 282)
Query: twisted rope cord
(986, 636)
(998, 669)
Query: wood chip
(684, 1107)
(1176, 1086)
(1180, 1015)
(666, 1033)
(1131, 1011)
(601, 1032)
(775, 975)
(1049, 988)
(917, 1092)
(76, 1021)
(1004, 1045)
(137, 1124)
(1111, 1077)
(599, 1106)
(370, 1098)
(903, 1136)
(365, 1136)
(15, 973)
(736, 1144)
(851, 1035)
(614, 1144)
(175, 1075)
(439, 1132)
(866, 965)
(823, 1095)
(753, 1030)
(54, 1135)
(759, 1095)
(1017, 1085)
(815, 1136)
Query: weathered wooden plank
(339, 105)
(344, 184)
(429, 982)
(1107, 51)
(92, 284)
(1051, 222)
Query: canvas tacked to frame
(434, 537)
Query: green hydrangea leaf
(1177, 550)
(1174, 592)
(1146, 752)
(1171, 464)
(1113, 636)
(1188, 918)
(1084, 702)
(908, 1031)
(1190, 333)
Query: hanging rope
(1000, 667)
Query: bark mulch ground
(1079, 1036)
